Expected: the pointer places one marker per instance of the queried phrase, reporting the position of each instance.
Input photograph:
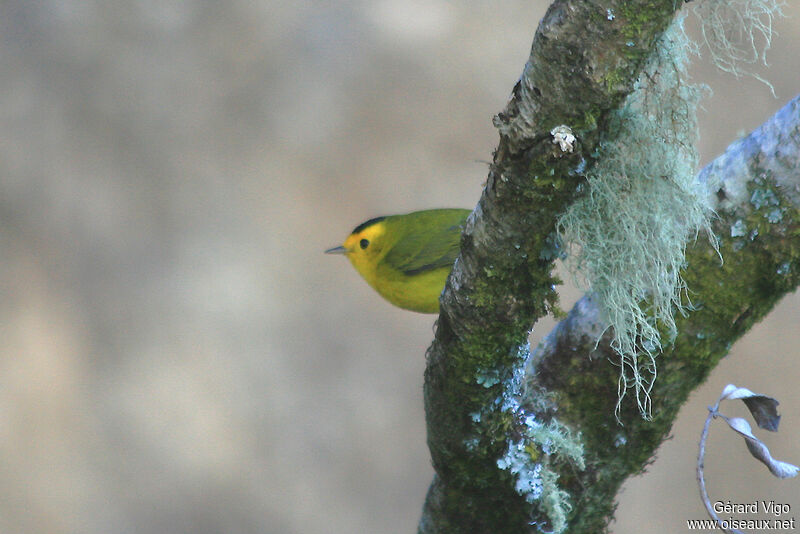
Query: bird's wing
(414, 255)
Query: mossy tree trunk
(489, 401)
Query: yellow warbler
(406, 258)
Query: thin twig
(713, 412)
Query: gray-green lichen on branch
(502, 461)
(755, 188)
(585, 58)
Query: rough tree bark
(585, 58)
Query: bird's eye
(364, 243)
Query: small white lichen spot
(609, 14)
(562, 135)
(738, 229)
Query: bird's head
(364, 245)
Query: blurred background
(177, 353)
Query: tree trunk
(497, 412)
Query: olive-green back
(429, 239)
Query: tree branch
(755, 187)
(584, 60)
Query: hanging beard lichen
(627, 234)
(737, 33)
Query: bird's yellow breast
(419, 292)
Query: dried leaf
(760, 451)
(764, 409)
(733, 392)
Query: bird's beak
(336, 250)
